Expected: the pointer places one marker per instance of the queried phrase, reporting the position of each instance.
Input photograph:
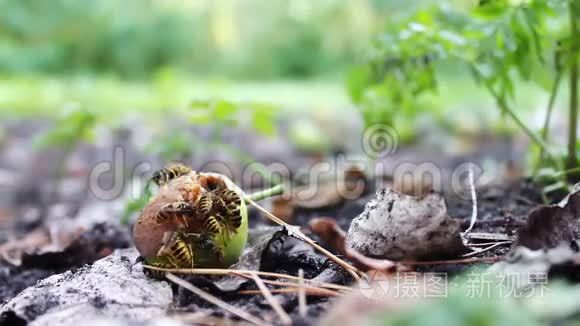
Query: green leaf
(135, 205)
(75, 125)
(201, 117)
(172, 146)
(200, 105)
(223, 110)
(263, 121)
(357, 81)
(491, 9)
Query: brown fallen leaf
(552, 225)
(329, 231)
(38, 242)
(13, 250)
(6, 217)
(283, 207)
(65, 245)
(350, 184)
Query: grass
(34, 96)
(465, 105)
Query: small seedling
(499, 42)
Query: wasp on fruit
(170, 172)
(196, 220)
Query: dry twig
(214, 300)
(308, 291)
(480, 251)
(473, 202)
(272, 301)
(301, 294)
(489, 236)
(292, 284)
(454, 261)
(220, 271)
(351, 269)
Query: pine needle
(349, 268)
(220, 271)
(480, 251)
(214, 300)
(285, 319)
(468, 260)
(311, 292)
(301, 294)
(291, 284)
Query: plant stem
(548, 119)
(566, 172)
(504, 107)
(274, 191)
(573, 118)
(535, 138)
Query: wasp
(195, 220)
(185, 250)
(170, 172)
(176, 252)
(220, 211)
(212, 222)
(230, 203)
(177, 211)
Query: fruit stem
(274, 191)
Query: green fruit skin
(233, 247)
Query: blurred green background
(151, 54)
(156, 56)
(137, 39)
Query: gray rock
(396, 226)
(107, 290)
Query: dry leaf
(64, 246)
(332, 191)
(12, 251)
(333, 235)
(550, 226)
(283, 208)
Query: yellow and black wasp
(220, 211)
(170, 172)
(178, 212)
(194, 221)
(184, 250)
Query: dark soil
(90, 246)
(32, 199)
